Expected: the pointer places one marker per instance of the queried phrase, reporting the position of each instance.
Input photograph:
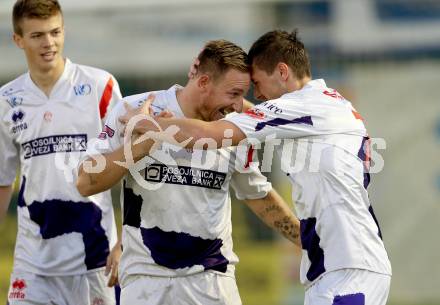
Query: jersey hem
(49, 274)
(130, 278)
(309, 285)
(256, 196)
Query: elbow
(83, 187)
(83, 190)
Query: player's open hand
(143, 125)
(112, 264)
(130, 112)
(166, 114)
(144, 109)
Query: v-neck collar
(29, 83)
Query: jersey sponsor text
(54, 144)
(185, 175)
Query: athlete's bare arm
(112, 265)
(5, 198)
(275, 213)
(93, 183)
(90, 183)
(187, 128)
(198, 129)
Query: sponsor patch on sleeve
(106, 132)
(255, 113)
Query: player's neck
(297, 84)
(46, 79)
(188, 102)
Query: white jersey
(184, 226)
(326, 156)
(59, 231)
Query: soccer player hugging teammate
(177, 211)
(344, 259)
(47, 117)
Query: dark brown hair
(41, 9)
(280, 46)
(218, 56)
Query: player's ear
(203, 81)
(18, 40)
(283, 70)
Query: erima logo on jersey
(185, 175)
(54, 144)
(83, 89)
(279, 122)
(17, 292)
(17, 118)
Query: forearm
(91, 182)
(5, 199)
(188, 129)
(275, 213)
(193, 131)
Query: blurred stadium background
(384, 55)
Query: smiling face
(42, 41)
(224, 95)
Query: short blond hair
(219, 56)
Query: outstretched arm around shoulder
(190, 133)
(101, 172)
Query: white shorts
(349, 287)
(86, 289)
(205, 288)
